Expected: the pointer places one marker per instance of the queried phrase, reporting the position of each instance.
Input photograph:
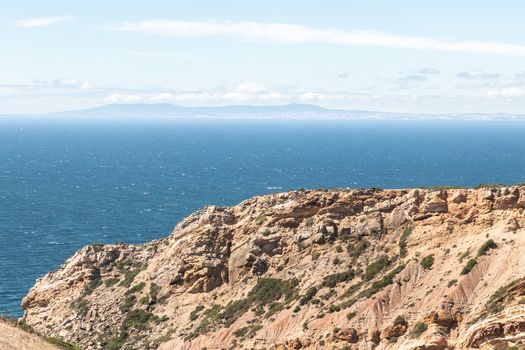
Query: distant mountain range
(287, 111)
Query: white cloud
(413, 78)
(428, 71)
(249, 87)
(166, 55)
(42, 21)
(479, 75)
(507, 92)
(61, 84)
(164, 97)
(214, 97)
(121, 98)
(291, 33)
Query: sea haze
(66, 184)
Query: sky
(444, 56)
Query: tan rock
(286, 270)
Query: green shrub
(82, 306)
(336, 261)
(128, 303)
(154, 291)
(95, 282)
(495, 308)
(452, 283)
(339, 249)
(463, 255)
(334, 308)
(403, 250)
(490, 244)
(350, 315)
(97, 246)
(345, 235)
(241, 332)
(374, 268)
(62, 343)
(144, 300)
(470, 265)
(266, 291)
(129, 276)
(331, 281)
(136, 288)
(382, 283)
(123, 264)
(355, 251)
(137, 319)
(195, 313)
(111, 282)
(418, 329)
(210, 316)
(273, 309)
(400, 320)
(489, 186)
(115, 343)
(427, 262)
(310, 293)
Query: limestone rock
(303, 270)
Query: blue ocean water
(65, 184)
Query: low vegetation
(270, 293)
(488, 245)
(331, 281)
(427, 262)
(241, 332)
(111, 282)
(195, 313)
(129, 276)
(403, 249)
(382, 283)
(350, 315)
(400, 320)
(373, 289)
(136, 288)
(154, 290)
(356, 250)
(310, 293)
(419, 328)
(374, 268)
(137, 319)
(61, 343)
(470, 265)
(462, 256)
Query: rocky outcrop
(357, 269)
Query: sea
(67, 183)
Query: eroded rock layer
(352, 269)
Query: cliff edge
(344, 269)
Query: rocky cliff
(343, 269)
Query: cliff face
(354, 269)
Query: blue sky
(406, 56)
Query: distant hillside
(170, 110)
(286, 111)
